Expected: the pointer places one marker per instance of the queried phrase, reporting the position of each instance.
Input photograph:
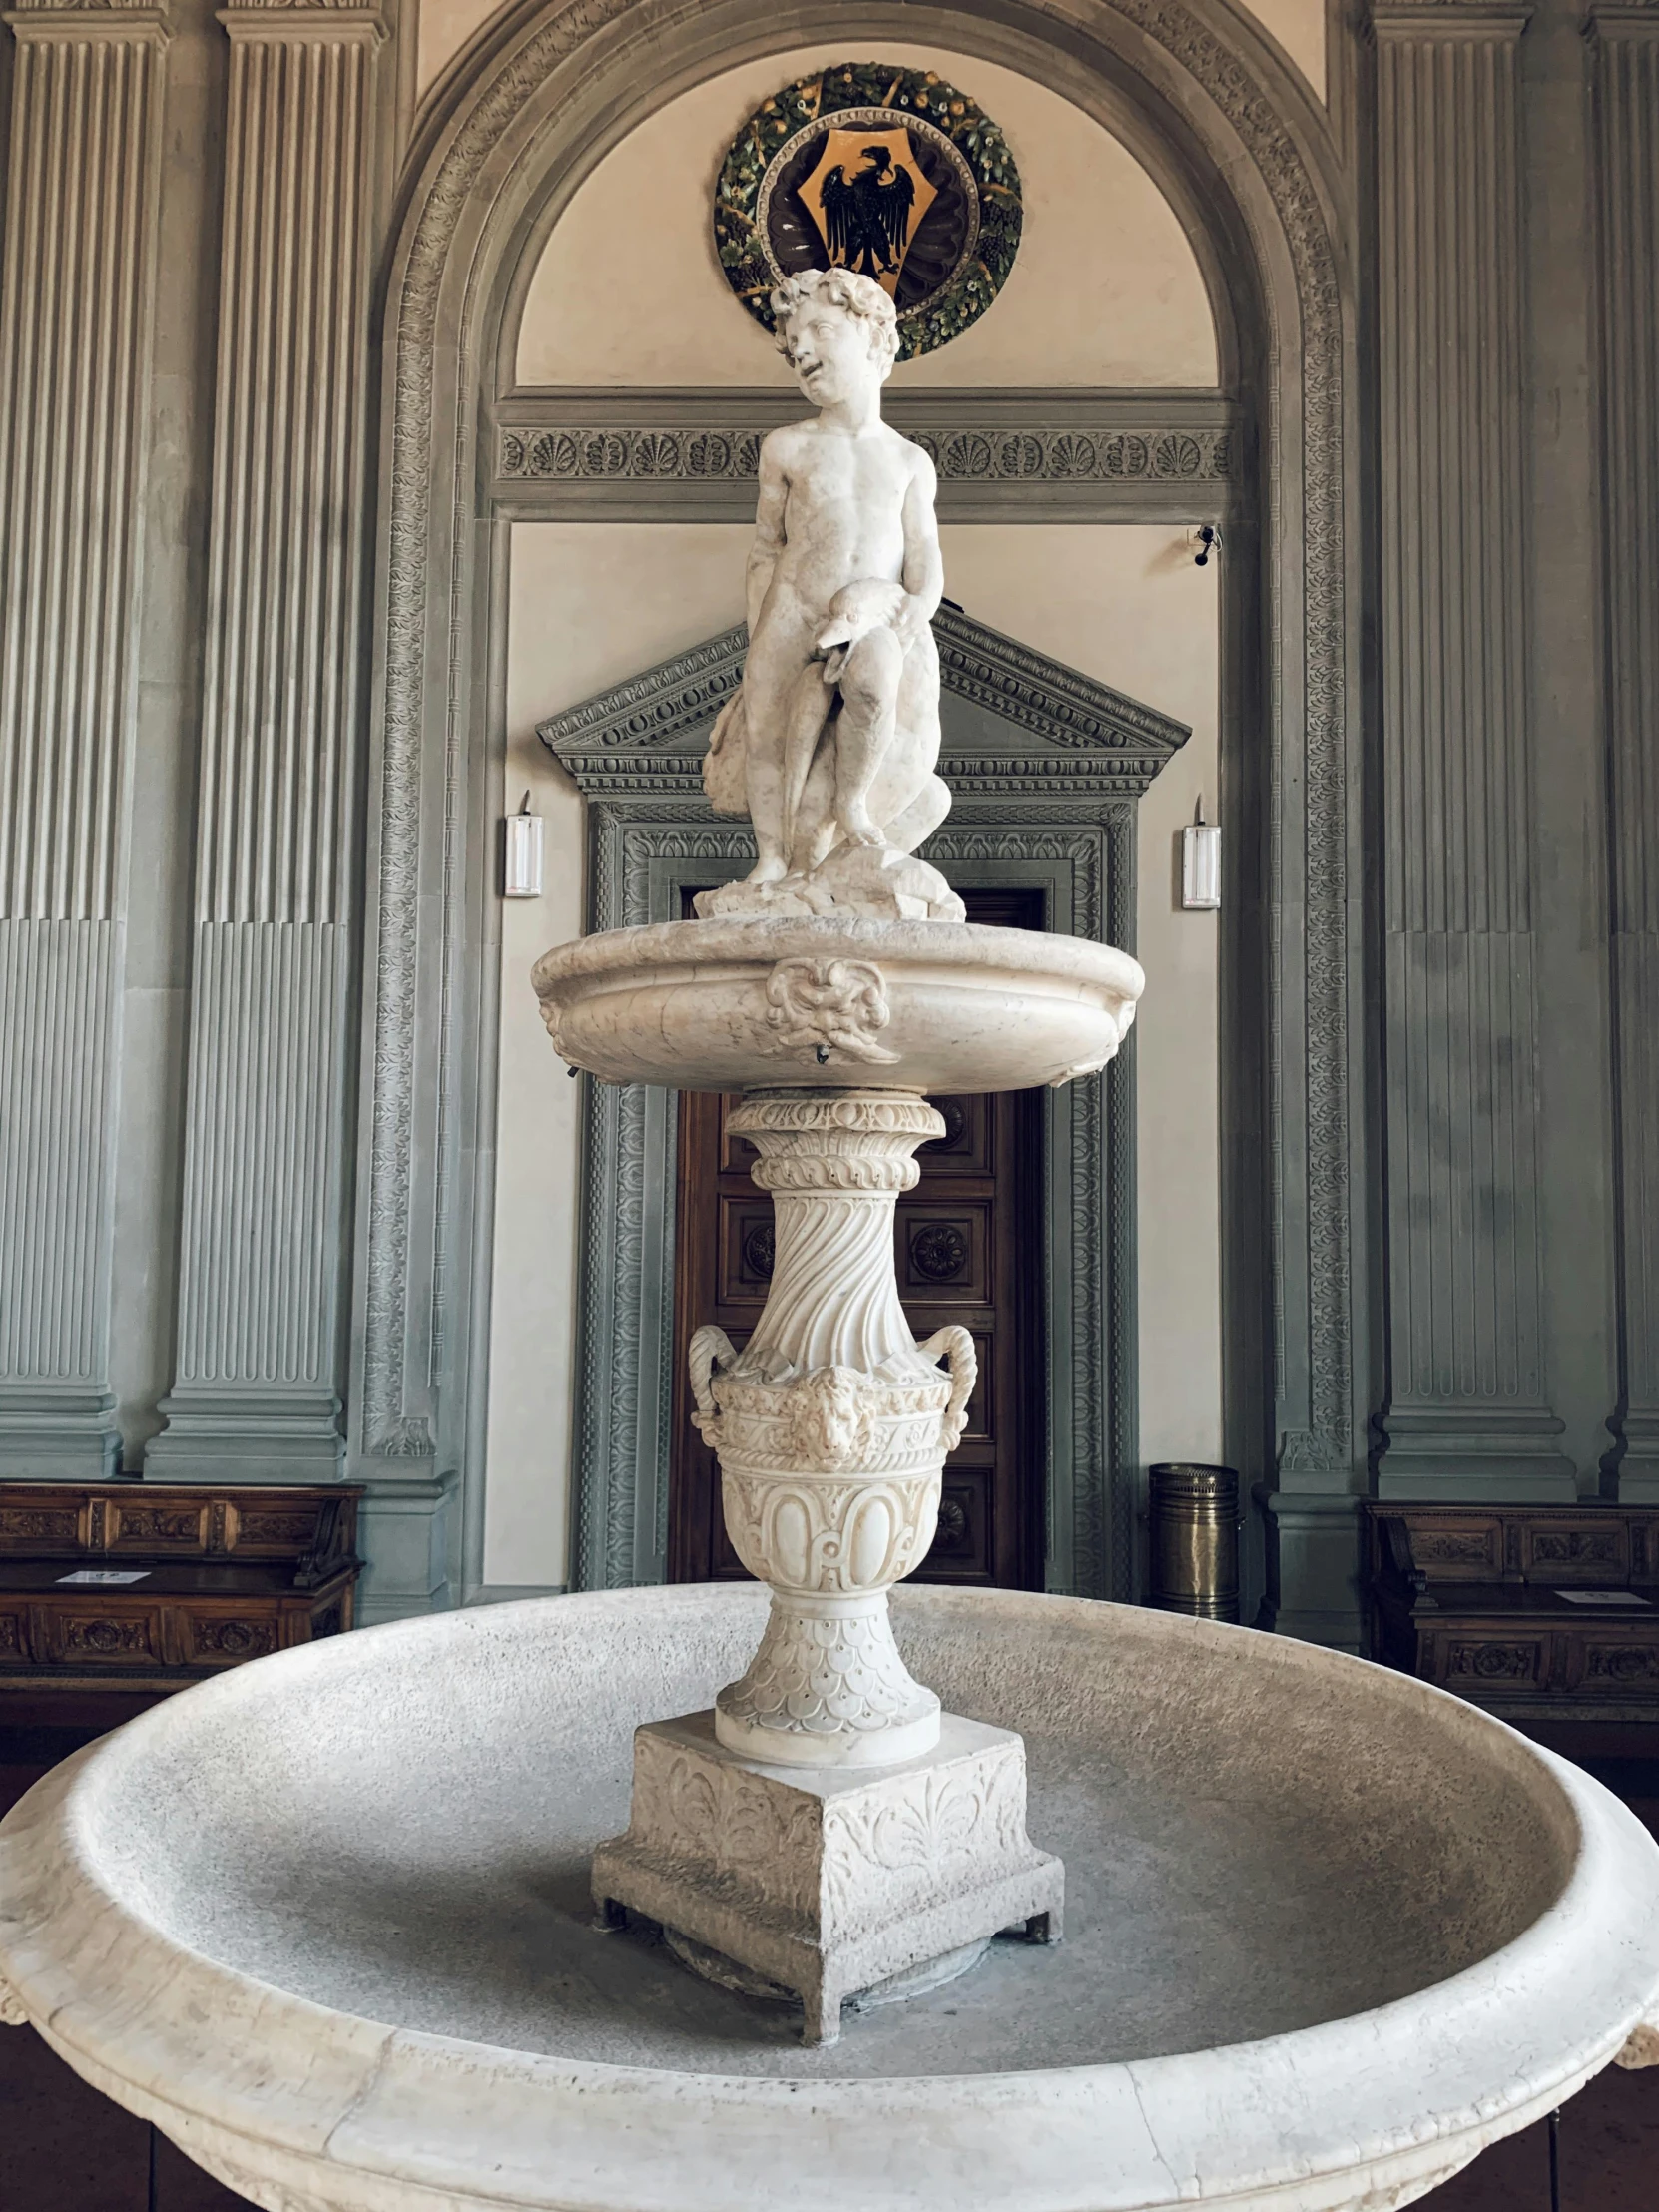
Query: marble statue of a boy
(831, 744)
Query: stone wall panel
(1467, 1398)
(260, 1248)
(1627, 90)
(77, 282)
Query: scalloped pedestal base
(825, 1880)
(834, 1660)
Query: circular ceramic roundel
(891, 172)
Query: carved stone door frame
(1045, 768)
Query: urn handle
(956, 1348)
(709, 1349)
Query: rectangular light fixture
(521, 869)
(1200, 864)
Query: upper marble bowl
(902, 1005)
(326, 1921)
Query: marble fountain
(714, 1900)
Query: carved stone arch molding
(1248, 162)
(1045, 768)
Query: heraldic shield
(887, 172)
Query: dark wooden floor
(1609, 2157)
(1609, 2137)
(65, 2149)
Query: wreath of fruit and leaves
(964, 298)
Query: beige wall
(1105, 289)
(592, 604)
(1128, 605)
(446, 25)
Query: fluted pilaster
(260, 1289)
(1625, 47)
(75, 308)
(1468, 1403)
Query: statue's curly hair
(860, 296)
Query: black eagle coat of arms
(866, 219)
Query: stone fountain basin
(913, 1005)
(325, 1920)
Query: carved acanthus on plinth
(829, 1882)
(832, 1426)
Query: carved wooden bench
(1537, 1612)
(146, 1585)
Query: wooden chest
(149, 1585)
(1536, 1612)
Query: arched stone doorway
(1245, 157)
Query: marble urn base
(830, 1880)
(828, 1827)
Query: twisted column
(258, 1303)
(832, 1426)
(77, 288)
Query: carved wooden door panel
(969, 1241)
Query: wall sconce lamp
(1209, 541)
(521, 869)
(1200, 864)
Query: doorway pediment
(1011, 717)
(1045, 765)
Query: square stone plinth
(830, 1879)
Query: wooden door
(970, 1244)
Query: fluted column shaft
(1625, 46)
(76, 310)
(260, 1276)
(1469, 1407)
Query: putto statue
(831, 744)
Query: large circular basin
(824, 1001)
(325, 1922)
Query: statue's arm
(924, 562)
(769, 531)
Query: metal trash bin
(1192, 1540)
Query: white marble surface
(729, 1005)
(831, 744)
(325, 1920)
(832, 1427)
(831, 1882)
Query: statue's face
(831, 354)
